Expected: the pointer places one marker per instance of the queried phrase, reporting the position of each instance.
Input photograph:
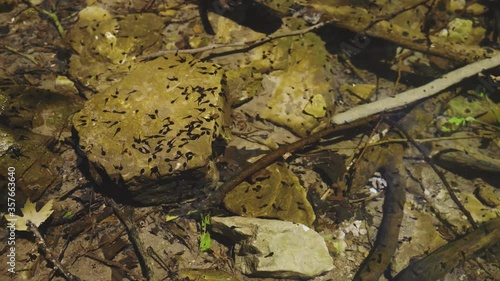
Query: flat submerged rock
(273, 248)
(151, 134)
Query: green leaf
(456, 121)
(445, 129)
(205, 240)
(67, 214)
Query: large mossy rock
(152, 133)
(105, 45)
(298, 83)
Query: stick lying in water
(437, 264)
(416, 94)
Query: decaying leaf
(30, 213)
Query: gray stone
(273, 248)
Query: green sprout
(456, 122)
(67, 214)
(205, 240)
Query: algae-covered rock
(41, 111)
(273, 193)
(105, 45)
(32, 120)
(462, 31)
(359, 93)
(244, 84)
(152, 133)
(488, 195)
(36, 167)
(472, 106)
(298, 84)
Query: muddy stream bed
(139, 139)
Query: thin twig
(236, 45)
(142, 256)
(109, 241)
(129, 272)
(400, 66)
(28, 57)
(49, 254)
(437, 171)
(78, 227)
(424, 140)
(160, 261)
(358, 153)
(52, 16)
(397, 140)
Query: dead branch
(129, 272)
(141, 253)
(441, 176)
(387, 236)
(413, 95)
(361, 21)
(436, 265)
(217, 197)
